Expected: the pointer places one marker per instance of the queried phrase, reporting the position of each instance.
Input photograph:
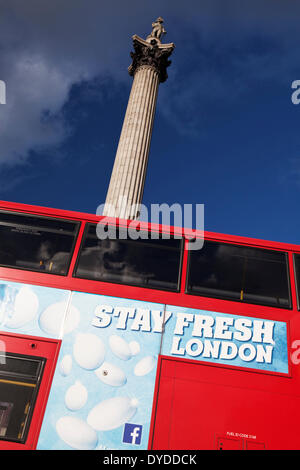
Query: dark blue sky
(226, 132)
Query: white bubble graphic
(112, 413)
(25, 308)
(134, 347)
(145, 365)
(76, 396)
(72, 320)
(120, 347)
(88, 351)
(66, 365)
(76, 433)
(53, 322)
(111, 375)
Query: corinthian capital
(152, 53)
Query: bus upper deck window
(242, 273)
(146, 262)
(36, 243)
(297, 276)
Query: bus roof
(188, 232)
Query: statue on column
(151, 51)
(157, 28)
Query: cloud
(35, 93)
(47, 47)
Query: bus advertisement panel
(103, 387)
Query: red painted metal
(199, 405)
(40, 347)
(181, 299)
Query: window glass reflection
(240, 273)
(36, 243)
(153, 263)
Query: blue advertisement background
(139, 388)
(280, 352)
(55, 313)
(42, 310)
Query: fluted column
(126, 187)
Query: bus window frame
(119, 226)
(296, 280)
(43, 361)
(243, 302)
(77, 224)
(34, 346)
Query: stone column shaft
(129, 171)
(125, 192)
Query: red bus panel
(197, 404)
(18, 381)
(205, 407)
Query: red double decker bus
(145, 343)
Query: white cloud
(33, 87)
(46, 47)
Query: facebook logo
(132, 433)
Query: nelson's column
(149, 68)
